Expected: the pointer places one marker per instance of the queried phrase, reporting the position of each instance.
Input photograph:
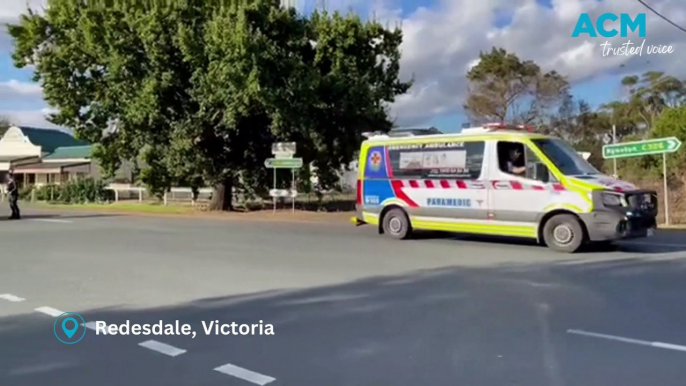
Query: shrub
(48, 192)
(25, 192)
(79, 191)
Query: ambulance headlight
(613, 199)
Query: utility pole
(614, 140)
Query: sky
(442, 40)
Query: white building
(47, 156)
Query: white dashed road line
(49, 311)
(11, 298)
(52, 220)
(162, 348)
(244, 374)
(667, 346)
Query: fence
(328, 201)
(175, 195)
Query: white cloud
(30, 118)
(441, 44)
(14, 89)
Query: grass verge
(197, 211)
(122, 207)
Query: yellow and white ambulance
(496, 179)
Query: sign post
(283, 153)
(614, 140)
(664, 182)
(647, 147)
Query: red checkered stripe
(475, 185)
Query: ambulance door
(450, 188)
(520, 187)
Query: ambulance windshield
(565, 157)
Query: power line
(663, 17)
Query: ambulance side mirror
(541, 172)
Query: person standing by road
(13, 196)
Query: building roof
(10, 158)
(70, 152)
(54, 167)
(50, 139)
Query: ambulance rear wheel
(563, 233)
(396, 224)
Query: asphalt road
(348, 307)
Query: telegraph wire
(663, 17)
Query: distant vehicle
(496, 179)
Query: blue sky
(594, 79)
(596, 92)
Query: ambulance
(499, 180)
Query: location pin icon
(69, 331)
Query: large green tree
(650, 94)
(502, 87)
(199, 89)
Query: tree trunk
(222, 196)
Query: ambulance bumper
(615, 225)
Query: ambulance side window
(511, 158)
(536, 169)
(450, 160)
(406, 162)
(475, 158)
(519, 160)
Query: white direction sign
(283, 193)
(283, 149)
(283, 163)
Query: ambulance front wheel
(396, 224)
(563, 233)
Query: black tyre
(563, 233)
(396, 224)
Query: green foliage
(199, 89)
(25, 192)
(672, 123)
(48, 192)
(652, 110)
(81, 191)
(652, 93)
(502, 87)
(5, 124)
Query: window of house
(462, 160)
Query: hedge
(81, 191)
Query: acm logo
(585, 25)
